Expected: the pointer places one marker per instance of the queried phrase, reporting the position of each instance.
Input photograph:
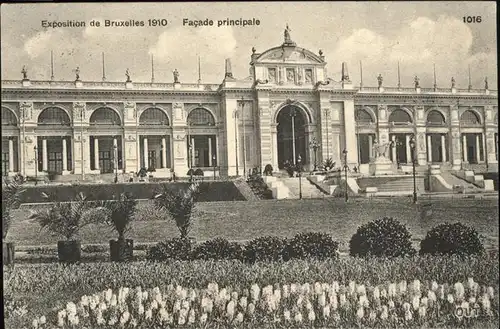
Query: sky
(379, 34)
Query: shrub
(217, 249)
(312, 245)
(190, 172)
(11, 199)
(268, 170)
(384, 237)
(328, 164)
(266, 248)
(198, 172)
(176, 248)
(449, 239)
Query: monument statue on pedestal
(381, 165)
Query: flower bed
(44, 288)
(318, 304)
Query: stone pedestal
(381, 166)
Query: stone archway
(288, 137)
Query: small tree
(11, 199)
(452, 239)
(119, 213)
(63, 219)
(328, 164)
(179, 204)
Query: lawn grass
(245, 220)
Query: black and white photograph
(250, 165)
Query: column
(115, 154)
(443, 148)
(146, 153)
(44, 155)
(11, 155)
(192, 152)
(210, 152)
(64, 155)
(464, 147)
(96, 153)
(429, 148)
(350, 133)
(478, 150)
(393, 148)
(164, 153)
(370, 146)
(408, 148)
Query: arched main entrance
(291, 131)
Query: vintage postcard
(250, 165)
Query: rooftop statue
(486, 83)
(24, 72)
(417, 82)
(176, 76)
(127, 73)
(380, 80)
(452, 82)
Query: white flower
(308, 305)
(408, 315)
(181, 320)
(421, 311)
(326, 311)
(465, 306)
(286, 315)
(361, 290)
(145, 295)
(76, 320)
(406, 306)
(392, 290)
(185, 304)
(191, 317)
(293, 288)
(133, 323)
(286, 291)
(472, 300)
(125, 317)
(416, 285)
(71, 308)
(35, 323)
(298, 317)
(383, 293)
(192, 295)
(342, 300)
(491, 292)
(60, 322)
(163, 314)
(434, 286)
(243, 302)
(335, 286)
(140, 309)
(431, 295)
(352, 287)
(203, 318)
(84, 300)
(239, 317)
(402, 287)
(376, 293)
(391, 304)
(424, 301)
(322, 299)
(385, 313)
(311, 316)
(318, 289)
(470, 283)
(333, 302)
(102, 306)
(306, 288)
(254, 292)
(177, 306)
(373, 315)
(148, 314)
(450, 299)
(363, 301)
(251, 309)
(441, 292)
(415, 302)
(42, 320)
(459, 291)
(100, 320)
(108, 294)
(230, 309)
(360, 312)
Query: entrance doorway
(291, 131)
(105, 162)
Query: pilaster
(420, 135)
(351, 144)
(131, 138)
(81, 146)
(382, 125)
(455, 144)
(267, 148)
(179, 140)
(327, 116)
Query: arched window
(8, 117)
(105, 116)
(400, 117)
(54, 116)
(154, 116)
(435, 118)
(470, 117)
(200, 117)
(363, 116)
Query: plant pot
(69, 251)
(121, 250)
(8, 253)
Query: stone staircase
(454, 180)
(245, 189)
(309, 191)
(403, 185)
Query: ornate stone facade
(242, 124)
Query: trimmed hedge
(210, 191)
(319, 246)
(384, 237)
(452, 239)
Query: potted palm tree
(179, 205)
(119, 215)
(65, 219)
(11, 199)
